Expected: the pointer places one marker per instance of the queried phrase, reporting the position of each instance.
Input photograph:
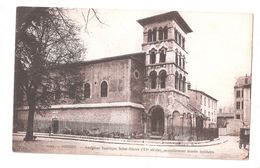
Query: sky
(219, 48)
(98, 38)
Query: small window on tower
(180, 82)
(154, 34)
(176, 80)
(160, 33)
(183, 62)
(150, 36)
(162, 55)
(184, 84)
(183, 42)
(152, 57)
(179, 39)
(162, 76)
(176, 58)
(176, 35)
(180, 60)
(165, 32)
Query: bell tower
(164, 39)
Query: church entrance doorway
(157, 121)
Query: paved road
(227, 150)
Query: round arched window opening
(136, 74)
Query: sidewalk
(149, 142)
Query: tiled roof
(193, 90)
(173, 15)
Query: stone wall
(232, 128)
(115, 73)
(169, 100)
(125, 120)
(137, 80)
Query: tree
(47, 43)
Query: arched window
(87, 90)
(154, 34)
(184, 84)
(161, 33)
(153, 76)
(176, 35)
(180, 60)
(183, 42)
(176, 58)
(104, 87)
(150, 35)
(180, 83)
(165, 32)
(183, 62)
(162, 76)
(162, 55)
(152, 56)
(179, 39)
(176, 80)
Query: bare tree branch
(95, 14)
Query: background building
(242, 99)
(206, 104)
(230, 120)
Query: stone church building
(139, 93)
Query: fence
(206, 134)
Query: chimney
(246, 80)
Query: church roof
(173, 15)
(119, 57)
(139, 56)
(191, 109)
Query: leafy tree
(47, 43)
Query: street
(227, 150)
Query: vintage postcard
(132, 82)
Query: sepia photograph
(132, 82)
